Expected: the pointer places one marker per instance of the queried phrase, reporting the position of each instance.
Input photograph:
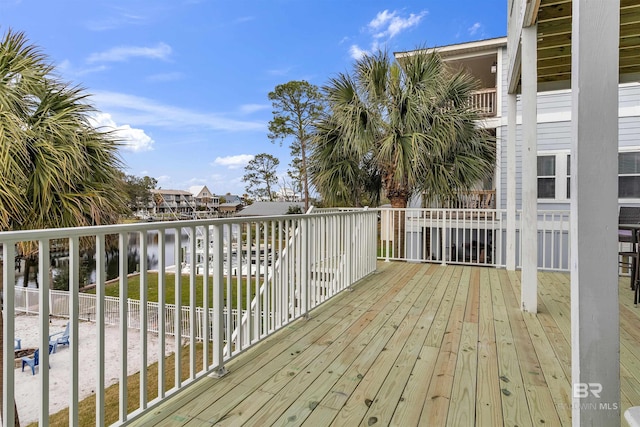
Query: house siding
(554, 131)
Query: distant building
(269, 208)
(287, 195)
(204, 199)
(229, 209)
(173, 202)
(231, 198)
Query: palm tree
(57, 169)
(408, 127)
(411, 125)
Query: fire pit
(23, 352)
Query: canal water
(60, 261)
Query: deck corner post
(512, 106)
(529, 231)
(595, 309)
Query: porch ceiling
(554, 39)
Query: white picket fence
(27, 301)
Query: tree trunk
(15, 408)
(399, 202)
(305, 177)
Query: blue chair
(17, 343)
(61, 338)
(31, 362)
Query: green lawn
(113, 289)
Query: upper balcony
(485, 101)
(483, 60)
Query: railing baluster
(124, 316)
(162, 319)
(43, 273)
(8, 330)
(100, 336)
(177, 320)
(143, 319)
(192, 302)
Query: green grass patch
(87, 407)
(133, 290)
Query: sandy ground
(27, 386)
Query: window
(629, 175)
(547, 177)
(554, 175)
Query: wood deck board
(303, 389)
(514, 401)
(413, 344)
(438, 399)
(281, 380)
(488, 401)
(539, 398)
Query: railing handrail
(468, 236)
(485, 90)
(293, 293)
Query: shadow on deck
(413, 344)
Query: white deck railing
(485, 101)
(295, 263)
(468, 236)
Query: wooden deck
(412, 345)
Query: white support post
(529, 231)
(595, 332)
(512, 115)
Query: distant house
(287, 195)
(269, 208)
(229, 209)
(204, 199)
(174, 202)
(231, 198)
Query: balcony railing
(472, 199)
(255, 276)
(485, 102)
(469, 236)
(291, 264)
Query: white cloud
(389, 24)
(165, 77)
(163, 180)
(147, 112)
(279, 71)
(123, 53)
(252, 108)
(133, 139)
(116, 21)
(66, 67)
(474, 28)
(356, 53)
(234, 162)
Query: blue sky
(185, 82)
